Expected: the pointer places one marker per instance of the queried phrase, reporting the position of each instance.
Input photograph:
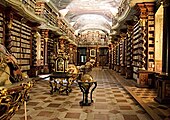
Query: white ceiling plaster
(89, 14)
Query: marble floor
(113, 98)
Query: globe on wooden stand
(85, 84)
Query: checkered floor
(111, 102)
(145, 96)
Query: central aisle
(111, 102)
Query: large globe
(87, 78)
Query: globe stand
(85, 88)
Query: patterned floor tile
(125, 108)
(130, 117)
(111, 102)
(55, 105)
(73, 115)
(101, 117)
(45, 113)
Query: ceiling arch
(89, 14)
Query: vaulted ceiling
(85, 15)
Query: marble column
(166, 39)
(123, 37)
(164, 80)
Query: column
(88, 54)
(45, 46)
(118, 55)
(110, 56)
(45, 51)
(8, 26)
(129, 49)
(98, 58)
(71, 54)
(143, 22)
(166, 39)
(123, 37)
(164, 80)
(75, 54)
(61, 46)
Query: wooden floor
(115, 98)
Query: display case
(61, 63)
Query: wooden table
(59, 82)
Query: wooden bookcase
(42, 47)
(143, 44)
(129, 52)
(50, 53)
(121, 51)
(43, 9)
(30, 4)
(151, 37)
(114, 58)
(138, 48)
(34, 48)
(21, 37)
(118, 57)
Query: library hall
(84, 60)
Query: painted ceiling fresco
(85, 15)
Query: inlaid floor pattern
(111, 102)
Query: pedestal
(163, 95)
(129, 73)
(143, 80)
(122, 70)
(117, 68)
(85, 87)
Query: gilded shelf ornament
(12, 95)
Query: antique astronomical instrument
(85, 85)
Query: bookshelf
(30, 5)
(138, 47)
(129, 51)
(21, 36)
(43, 9)
(34, 48)
(114, 56)
(121, 52)
(42, 48)
(118, 57)
(151, 37)
(50, 54)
